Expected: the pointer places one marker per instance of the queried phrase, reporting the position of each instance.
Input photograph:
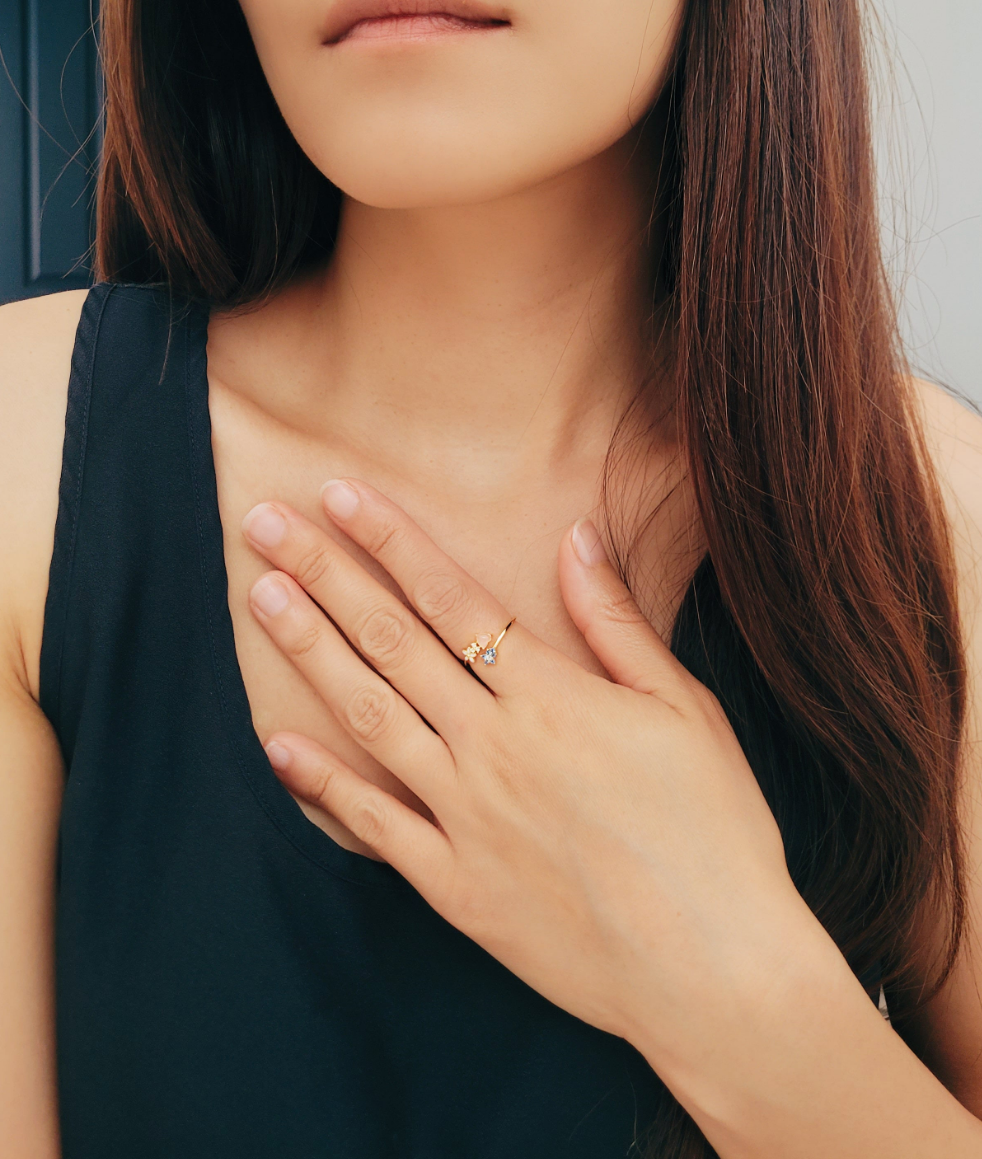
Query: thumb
(608, 617)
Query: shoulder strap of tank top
(124, 473)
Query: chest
(507, 541)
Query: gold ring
(483, 647)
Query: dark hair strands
(824, 614)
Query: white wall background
(930, 141)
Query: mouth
(377, 20)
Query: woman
(496, 412)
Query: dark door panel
(50, 137)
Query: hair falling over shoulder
(824, 615)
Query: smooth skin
(462, 363)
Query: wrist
(733, 1057)
(789, 1058)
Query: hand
(605, 839)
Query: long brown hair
(824, 614)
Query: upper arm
(37, 337)
(36, 341)
(947, 1033)
(30, 795)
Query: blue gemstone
(488, 656)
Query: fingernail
(279, 755)
(587, 543)
(339, 499)
(264, 525)
(269, 596)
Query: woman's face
(480, 102)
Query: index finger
(453, 603)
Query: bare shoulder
(953, 430)
(947, 1032)
(954, 434)
(37, 337)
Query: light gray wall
(930, 140)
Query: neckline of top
(275, 800)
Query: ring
(483, 647)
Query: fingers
(458, 608)
(407, 841)
(378, 624)
(609, 619)
(378, 718)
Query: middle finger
(393, 640)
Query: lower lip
(425, 27)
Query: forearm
(799, 1064)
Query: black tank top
(232, 983)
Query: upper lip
(347, 13)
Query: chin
(407, 167)
(417, 185)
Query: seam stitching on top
(78, 466)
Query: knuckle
(323, 789)
(305, 641)
(369, 819)
(385, 539)
(369, 713)
(552, 720)
(385, 637)
(440, 595)
(311, 567)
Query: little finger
(397, 833)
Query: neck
(501, 338)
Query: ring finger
(385, 632)
(369, 708)
(459, 609)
